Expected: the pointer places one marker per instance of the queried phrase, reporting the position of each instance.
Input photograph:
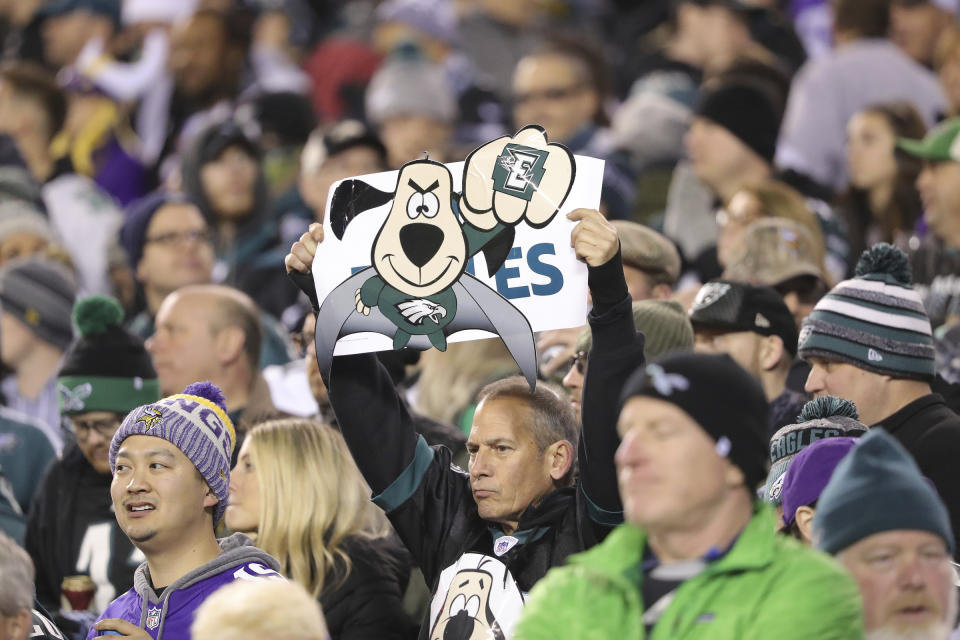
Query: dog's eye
(425, 204)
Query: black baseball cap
(727, 306)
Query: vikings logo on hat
(418, 290)
(73, 399)
(710, 293)
(150, 418)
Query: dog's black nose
(420, 242)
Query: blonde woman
(298, 493)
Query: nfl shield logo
(153, 618)
(504, 544)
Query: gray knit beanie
(664, 324)
(40, 292)
(875, 321)
(196, 422)
(823, 417)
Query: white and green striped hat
(874, 321)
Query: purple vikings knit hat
(195, 422)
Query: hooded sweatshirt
(252, 260)
(170, 613)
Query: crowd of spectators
(753, 433)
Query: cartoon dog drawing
(416, 289)
(477, 599)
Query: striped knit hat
(196, 422)
(874, 321)
(823, 417)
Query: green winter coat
(767, 586)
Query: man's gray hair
(553, 418)
(16, 578)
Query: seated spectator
(223, 175)
(37, 295)
(864, 69)
(695, 533)
(263, 609)
(171, 468)
(342, 551)
(884, 522)
(937, 261)
(947, 66)
(804, 481)
(344, 150)
(562, 87)
(97, 137)
(19, 619)
(766, 199)
(207, 72)
(651, 262)
(731, 144)
(432, 27)
(24, 231)
(917, 26)
(32, 110)
(882, 203)
(823, 417)
(665, 327)
(25, 454)
(168, 245)
(412, 104)
(754, 327)
(783, 254)
(212, 332)
(869, 341)
(521, 458)
(651, 267)
(70, 24)
(71, 528)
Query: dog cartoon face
(466, 612)
(421, 249)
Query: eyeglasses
(578, 360)
(549, 95)
(172, 238)
(106, 428)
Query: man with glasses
(561, 86)
(169, 246)
(71, 527)
(663, 323)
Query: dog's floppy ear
(351, 198)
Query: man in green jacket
(697, 557)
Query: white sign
(541, 275)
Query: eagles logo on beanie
(875, 321)
(107, 367)
(823, 417)
(196, 422)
